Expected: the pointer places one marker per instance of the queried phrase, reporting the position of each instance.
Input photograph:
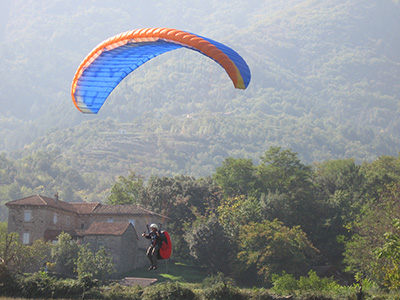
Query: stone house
(117, 228)
(120, 240)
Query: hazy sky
(4, 12)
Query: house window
(25, 238)
(110, 220)
(68, 221)
(55, 218)
(132, 221)
(27, 215)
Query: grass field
(172, 271)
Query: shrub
(8, 282)
(216, 279)
(223, 291)
(41, 285)
(259, 294)
(65, 254)
(68, 288)
(87, 281)
(286, 284)
(315, 283)
(38, 285)
(167, 290)
(120, 292)
(99, 264)
(346, 292)
(92, 294)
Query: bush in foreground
(120, 292)
(168, 290)
(8, 282)
(311, 287)
(38, 285)
(41, 285)
(287, 284)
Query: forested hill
(325, 83)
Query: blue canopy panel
(100, 78)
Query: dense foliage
(252, 221)
(324, 83)
(336, 213)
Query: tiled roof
(105, 228)
(39, 200)
(85, 207)
(121, 209)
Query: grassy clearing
(172, 271)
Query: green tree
(16, 257)
(7, 170)
(340, 186)
(287, 191)
(384, 170)
(98, 265)
(33, 256)
(128, 190)
(235, 212)
(282, 172)
(271, 248)
(391, 251)
(236, 177)
(162, 192)
(210, 246)
(370, 233)
(10, 250)
(65, 253)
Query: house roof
(38, 200)
(83, 208)
(121, 209)
(105, 228)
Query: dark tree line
(251, 221)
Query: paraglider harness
(164, 249)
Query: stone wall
(129, 250)
(122, 248)
(41, 219)
(140, 223)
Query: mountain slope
(325, 82)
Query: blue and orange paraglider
(111, 61)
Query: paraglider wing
(112, 60)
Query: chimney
(56, 197)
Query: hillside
(325, 82)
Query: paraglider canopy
(112, 60)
